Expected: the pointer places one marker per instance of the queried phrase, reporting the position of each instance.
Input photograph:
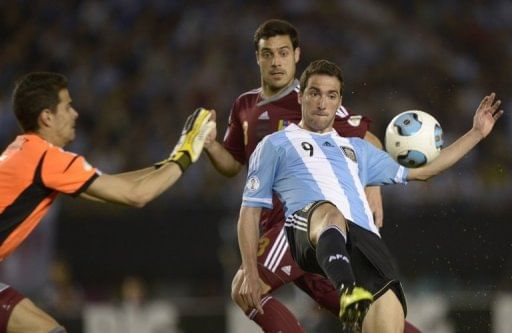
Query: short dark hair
(33, 93)
(275, 27)
(324, 67)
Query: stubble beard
(274, 89)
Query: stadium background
(138, 68)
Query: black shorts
(371, 261)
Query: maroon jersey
(252, 118)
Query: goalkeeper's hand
(194, 133)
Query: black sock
(333, 258)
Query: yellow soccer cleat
(354, 304)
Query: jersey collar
(289, 89)
(295, 127)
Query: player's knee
(333, 217)
(235, 289)
(235, 296)
(324, 216)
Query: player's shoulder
(350, 140)
(50, 148)
(353, 119)
(57, 155)
(246, 100)
(250, 95)
(30, 145)
(361, 145)
(349, 124)
(285, 136)
(275, 139)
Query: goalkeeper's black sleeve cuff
(183, 160)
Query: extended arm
(137, 188)
(135, 192)
(128, 176)
(483, 122)
(373, 193)
(248, 235)
(136, 174)
(221, 159)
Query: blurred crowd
(138, 68)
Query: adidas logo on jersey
(264, 116)
(327, 144)
(287, 269)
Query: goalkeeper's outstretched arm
(193, 136)
(137, 188)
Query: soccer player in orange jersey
(35, 168)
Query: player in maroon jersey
(254, 115)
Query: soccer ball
(414, 138)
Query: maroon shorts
(9, 297)
(277, 267)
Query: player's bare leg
(27, 317)
(386, 315)
(325, 215)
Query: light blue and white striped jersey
(302, 167)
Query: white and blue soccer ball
(414, 138)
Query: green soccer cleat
(354, 304)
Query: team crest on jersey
(350, 153)
(354, 121)
(253, 184)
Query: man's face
(319, 102)
(277, 59)
(63, 120)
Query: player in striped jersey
(35, 168)
(255, 114)
(319, 176)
